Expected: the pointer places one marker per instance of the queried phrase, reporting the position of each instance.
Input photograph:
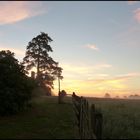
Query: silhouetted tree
(37, 56)
(135, 96)
(107, 95)
(61, 96)
(124, 96)
(117, 97)
(15, 86)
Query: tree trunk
(37, 67)
(58, 85)
(38, 63)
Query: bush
(15, 86)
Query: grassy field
(45, 120)
(121, 118)
(49, 120)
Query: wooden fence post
(81, 117)
(93, 119)
(98, 125)
(90, 127)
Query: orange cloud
(90, 88)
(137, 14)
(14, 11)
(18, 52)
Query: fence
(88, 120)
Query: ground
(46, 119)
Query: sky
(97, 43)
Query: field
(121, 118)
(49, 120)
(45, 120)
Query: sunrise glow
(96, 43)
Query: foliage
(37, 56)
(107, 95)
(15, 86)
(63, 93)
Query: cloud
(101, 75)
(137, 14)
(129, 75)
(122, 77)
(103, 65)
(74, 68)
(84, 72)
(98, 86)
(92, 87)
(92, 46)
(14, 11)
(116, 82)
(18, 52)
(132, 2)
(84, 69)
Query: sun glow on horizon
(87, 81)
(93, 89)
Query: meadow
(121, 117)
(47, 119)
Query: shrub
(15, 86)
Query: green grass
(45, 120)
(121, 118)
(49, 120)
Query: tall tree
(37, 56)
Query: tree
(37, 56)
(15, 86)
(135, 96)
(117, 97)
(107, 95)
(62, 94)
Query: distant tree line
(132, 96)
(135, 96)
